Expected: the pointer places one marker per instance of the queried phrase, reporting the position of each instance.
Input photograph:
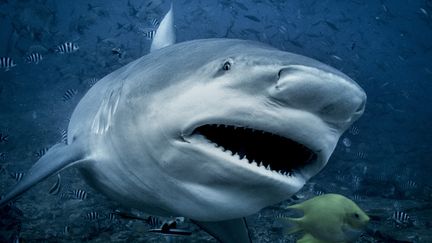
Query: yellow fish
(329, 218)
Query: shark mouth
(268, 150)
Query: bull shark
(212, 129)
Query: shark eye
(226, 66)
(356, 215)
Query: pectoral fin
(56, 158)
(228, 231)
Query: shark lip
(265, 149)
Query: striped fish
(357, 197)
(319, 193)
(154, 222)
(79, 194)
(6, 63)
(34, 58)
(69, 94)
(3, 138)
(67, 47)
(66, 230)
(11, 203)
(361, 155)
(112, 216)
(92, 216)
(41, 152)
(64, 136)
(149, 34)
(17, 176)
(154, 22)
(92, 81)
(55, 189)
(400, 217)
(354, 130)
(66, 195)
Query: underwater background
(383, 162)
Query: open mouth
(274, 152)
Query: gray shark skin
(136, 134)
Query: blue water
(385, 46)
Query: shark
(213, 130)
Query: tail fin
(57, 158)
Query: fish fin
(57, 158)
(165, 34)
(234, 230)
(308, 238)
(291, 224)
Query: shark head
(237, 126)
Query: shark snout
(325, 92)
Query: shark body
(213, 130)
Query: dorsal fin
(165, 35)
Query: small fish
(15, 239)
(149, 34)
(356, 182)
(361, 155)
(69, 94)
(55, 189)
(408, 185)
(92, 81)
(423, 11)
(66, 230)
(66, 195)
(92, 216)
(6, 63)
(112, 216)
(337, 58)
(400, 217)
(117, 52)
(2, 156)
(3, 138)
(11, 203)
(17, 176)
(41, 152)
(79, 194)
(357, 197)
(170, 228)
(319, 193)
(331, 25)
(346, 142)
(34, 58)
(64, 136)
(253, 18)
(154, 22)
(67, 47)
(127, 215)
(283, 29)
(154, 222)
(354, 130)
